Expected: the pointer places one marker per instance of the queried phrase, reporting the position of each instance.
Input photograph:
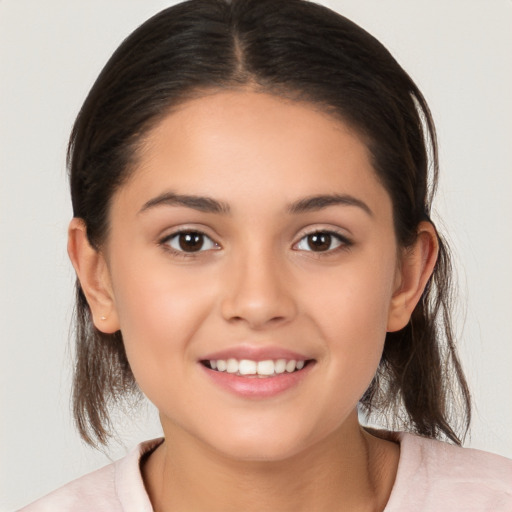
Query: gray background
(458, 51)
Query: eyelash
(344, 242)
(165, 243)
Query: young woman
(251, 184)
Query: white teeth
(232, 366)
(280, 366)
(265, 368)
(246, 367)
(290, 366)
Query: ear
(416, 267)
(93, 274)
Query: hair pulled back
(306, 52)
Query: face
(252, 264)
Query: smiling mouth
(260, 369)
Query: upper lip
(260, 353)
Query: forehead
(239, 146)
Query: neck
(349, 470)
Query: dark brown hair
(306, 52)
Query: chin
(261, 444)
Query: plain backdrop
(51, 51)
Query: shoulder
(117, 487)
(433, 475)
(90, 492)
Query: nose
(258, 292)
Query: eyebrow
(319, 202)
(210, 205)
(202, 204)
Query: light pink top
(432, 477)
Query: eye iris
(319, 241)
(191, 242)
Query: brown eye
(191, 241)
(321, 241)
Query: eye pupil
(190, 242)
(319, 241)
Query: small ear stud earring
(103, 318)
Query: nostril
(258, 306)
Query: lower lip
(256, 387)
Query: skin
(256, 283)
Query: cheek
(352, 315)
(356, 299)
(159, 311)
